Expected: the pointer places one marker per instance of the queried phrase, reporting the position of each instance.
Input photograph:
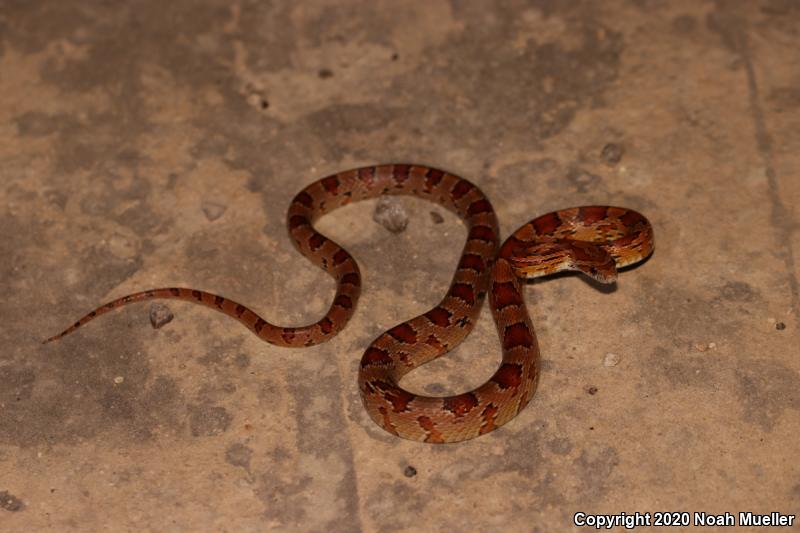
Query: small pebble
(612, 153)
(213, 210)
(591, 390)
(436, 217)
(325, 73)
(705, 346)
(118, 380)
(611, 359)
(160, 315)
(390, 214)
(9, 502)
(410, 471)
(780, 326)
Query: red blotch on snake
(439, 316)
(517, 335)
(331, 184)
(375, 356)
(463, 292)
(505, 294)
(461, 404)
(592, 214)
(461, 188)
(403, 333)
(508, 375)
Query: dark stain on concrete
(595, 470)
(401, 500)
(767, 390)
(101, 272)
(223, 356)
(738, 291)
(545, 84)
(272, 28)
(684, 24)
(242, 360)
(784, 99)
(37, 124)
(672, 369)
(684, 316)
(208, 420)
(287, 502)
(351, 118)
(141, 412)
(560, 445)
(582, 181)
(80, 393)
(239, 454)
(16, 384)
(37, 25)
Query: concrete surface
(159, 143)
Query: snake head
(542, 258)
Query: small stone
(705, 346)
(592, 390)
(325, 73)
(612, 153)
(119, 380)
(213, 210)
(390, 214)
(780, 326)
(9, 502)
(436, 217)
(611, 359)
(410, 471)
(160, 315)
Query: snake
(593, 240)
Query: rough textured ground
(158, 143)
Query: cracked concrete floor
(159, 143)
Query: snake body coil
(595, 240)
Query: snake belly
(622, 237)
